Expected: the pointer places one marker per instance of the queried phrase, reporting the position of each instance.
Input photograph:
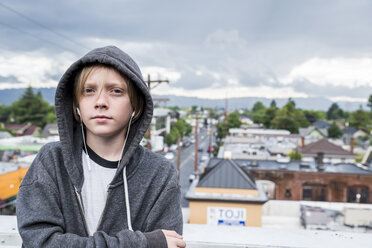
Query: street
(187, 162)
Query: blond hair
(135, 96)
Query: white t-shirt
(94, 191)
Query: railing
(205, 236)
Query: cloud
(31, 69)
(343, 72)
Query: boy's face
(104, 104)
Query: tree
(360, 119)
(334, 131)
(289, 118)
(295, 156)
(335, 112)
(233, 120)
(180, 128)
(273, 104)
(258, 106)
(369, 104)
(31, 108)
(269, 115)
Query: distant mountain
(10, 95)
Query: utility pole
(179, 156)
(196, 144)
(226, 124)
(149, 84)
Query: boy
(98, 187)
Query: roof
(227, 174)
(159, 112)
(349, 130)
(50, 130)
(30, 130)
(15, 127)
(296, 166)
(321, 124)
(308, 130)
(325, 147)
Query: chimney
(352, 145)
(302, 141)
(319, 160)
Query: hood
(69, 130)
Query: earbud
(78, 111)
(133, 113)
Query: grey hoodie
(49, 213)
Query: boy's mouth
(101, 117)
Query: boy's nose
(101, 101)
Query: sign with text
(226, 216)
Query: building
(50, 129)
(226, 195)
(23, 129)
(161, 122)
(331, 152)
(311, 181)
(258, 143)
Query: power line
(37, 37)
(44, 26)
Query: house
(348, 133)
(161, 122)
(313, 133)
(321, 124)
(50, 129)
(258, 143)
(310, 181)
(226, 195)
(331, 152)
(24, 129)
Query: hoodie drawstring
(127, 205)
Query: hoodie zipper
(104, 208)
(82, 210)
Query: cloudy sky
(206, 48)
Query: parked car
(169, 155)
(173, 147)
(204, 157)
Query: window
(358, 193)
(314, 192)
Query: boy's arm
(166, 214)
(41, 223)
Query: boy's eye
(117, 91)
(88, 91)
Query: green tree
(269, 115)
(31, 108)
(179, 129)
(360, 119)
(334, 131)
(289, 118)
(172, 137)
(295, 155)
(5, 112)
(369, 104)
(335, 112)
(273, 104)
(233, 120)
(258, 106)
